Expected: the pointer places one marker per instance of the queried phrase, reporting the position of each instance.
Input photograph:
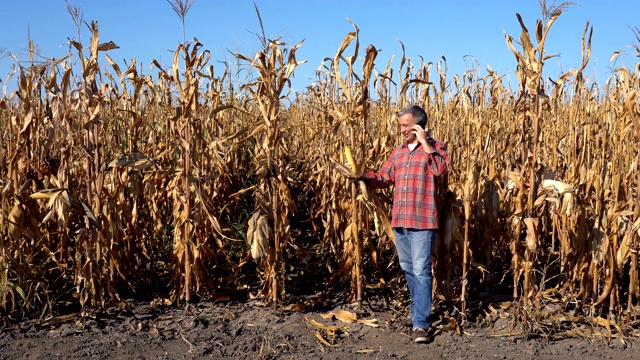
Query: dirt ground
(249, 330)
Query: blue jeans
(414, 253)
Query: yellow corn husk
(41, 196)
(349, 155)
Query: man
(412, 168)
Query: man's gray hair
(418, 113)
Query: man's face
(406, 123)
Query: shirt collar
(405, 144)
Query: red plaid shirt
(413, 174)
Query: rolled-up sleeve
(438, 161)
(383, 178)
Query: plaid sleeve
(383, 178)
(439, 161)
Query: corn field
(187, 183)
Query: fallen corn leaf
(322, 340)
(346, 316)
(365, 351)
(369, 322)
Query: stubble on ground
(249, 330)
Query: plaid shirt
(413, 174)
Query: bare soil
(246, 329)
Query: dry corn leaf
(369, 322)
(136, 161)
(606, 323)
(505, 304)
(322, 340)
(295, 307)
(154, 329)
(57, 320)
(332, 329)
(365, 351)
(451, 325)
(345, 171)
(558, 186)
(382, 216)
(492, 309)
(532, 233)
(346, 316)
(623, 252)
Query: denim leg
(414, 254)
(403, 248)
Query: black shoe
(420, 336)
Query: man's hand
(421, 135)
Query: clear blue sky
(150, 29)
